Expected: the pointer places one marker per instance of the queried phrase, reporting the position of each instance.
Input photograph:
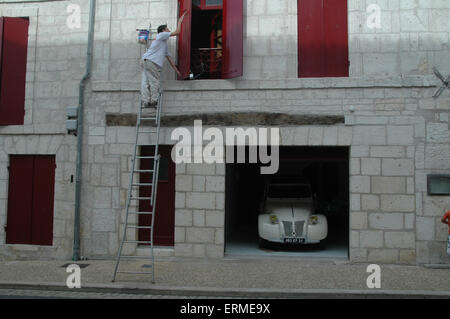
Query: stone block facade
(396, 132)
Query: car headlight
(273, 219)
(313, 220)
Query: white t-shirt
(158, 50)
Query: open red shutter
(43, 200)
(335, 54)
(310, 38)
(20, 200)
(233, 39)
(184, 39)
(1, 47)
(13, 71)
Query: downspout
(76, 238)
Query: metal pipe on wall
(76, 239)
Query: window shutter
(322, 38)
(43, 200)
(233, 39)
(13, 71)
(20, 200)
(310, 37)
(184, 40)
(335, 54)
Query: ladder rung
(135, 272)
(142, 184)
(139, 227)
(137, 257)
(143, 171)
(141, 213)
(149, 118)
(137, 242)
(147, 131)
(145, 157)
(140, 198)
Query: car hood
(290, 210)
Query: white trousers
(151, 82)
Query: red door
(164, 231)
(233, 39)
(184, 39)
(30, 200)
(13, 55)
(322, 38)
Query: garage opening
(321, 171)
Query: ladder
(133, 190)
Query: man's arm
(180, 22)
(172, 64)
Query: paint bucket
(143, 36)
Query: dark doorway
(326, 169)
(165, 201)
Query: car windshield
(289, 191)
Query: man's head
(163, 28)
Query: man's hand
(180, 22)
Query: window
(211, 41)
(13, 56)
(30, 200)
(322, 38)
(438, 185)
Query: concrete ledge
(230, 292)
(284, 84)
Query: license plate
(294, 240)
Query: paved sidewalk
(277, 278)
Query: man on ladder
(153, 61)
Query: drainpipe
(76, 238)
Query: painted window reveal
(31, 200)
(322, 38)
(13, 61)
(210, 45)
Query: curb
(234, 292)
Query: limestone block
(215, 183)
(398, 203)
(370, 202)
(400, 240)
(370, 166)
(198, 200)
(360, 184)
(400, 135)
(183, 183)
(358, 220)
(183, 217)
(397, 167)
(383, 221)
(200, 235)
(371, 239)
(388, 185)
(369, 135)
(383, 255)
(425, 228)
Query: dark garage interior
(325, 168)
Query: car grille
(289, 228)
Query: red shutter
(30, 200)
(43, 200)
(13, 71)
(322, 38)
(335, 59)
(164, 231)
(20, 200)
(1, 47)
(310, 37)
(184, 39)
(233, 39)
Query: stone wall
(397, 132)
